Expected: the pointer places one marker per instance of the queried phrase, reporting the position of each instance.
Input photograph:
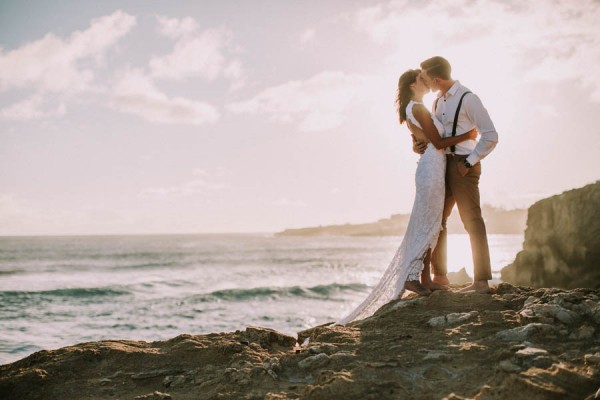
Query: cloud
(176, 28)
(206, 54)
(135, 93)
(543, 41)
(318, 103)
(32, 108)
(54, 64)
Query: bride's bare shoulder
(421, 113)
(419, 108)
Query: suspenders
(452, 148)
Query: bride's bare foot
(441, 280)
(477, 286)
(415, 286)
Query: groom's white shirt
(472, 114)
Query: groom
(463, 167)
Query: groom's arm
(481, 118)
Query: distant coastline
(497, 220)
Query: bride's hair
(405, 93)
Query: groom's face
(428, 81)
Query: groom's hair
(437, 67)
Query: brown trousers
(464, 192)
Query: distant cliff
(497, 221)
(562, 242)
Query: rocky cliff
(562, 242)
(518, 343)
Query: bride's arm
(429, 129)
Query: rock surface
(517, 343)
(562, 242)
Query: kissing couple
(447, 173)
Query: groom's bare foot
(441, 280)
(415, 286)
(477, 286)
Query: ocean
(57, 291)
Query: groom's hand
(462, 169)
(419, 146)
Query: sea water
(57, 291)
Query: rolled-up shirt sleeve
(481, 118)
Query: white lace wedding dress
(421, 234)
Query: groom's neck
(445, 85)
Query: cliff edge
(562, 242)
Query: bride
(409, 268)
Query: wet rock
(154, 373)
(272, 363)
(509, 366)
(437, 373)
(337, 385)
(531, 300)
(592, 358)
(584, 332)
(268, 337)
(101, 381)
(521, 333)
(323, 348)
(549, 312)
(533, 356)
(237, 376)
(528, 352)
(173, 381)
(272, 366)
(451, 319)
(542, 362)
(506, 288)
(154, 396)
(342, 358)
(117, 374)
(437, 355)
(381, 364)
(313, 362)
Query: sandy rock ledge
(518, 343)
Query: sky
(121, 117)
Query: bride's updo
(405, 93)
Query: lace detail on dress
(421, 233)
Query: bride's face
(419, 87)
